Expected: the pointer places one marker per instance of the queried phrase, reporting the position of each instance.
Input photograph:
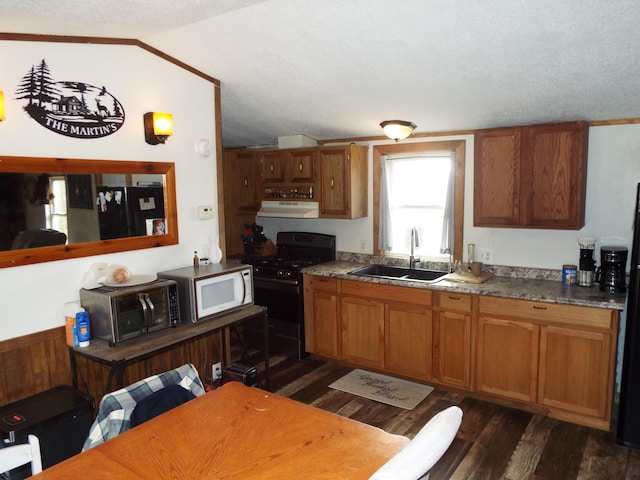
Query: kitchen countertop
(549, 291)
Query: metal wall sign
(71, 108)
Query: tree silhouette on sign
(37, 85)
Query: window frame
(458, 148)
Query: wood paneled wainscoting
(40, 361)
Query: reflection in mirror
(51, 209)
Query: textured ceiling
(337, 68)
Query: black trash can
(60, 418)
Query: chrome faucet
(415, 242)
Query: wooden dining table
(237, 432)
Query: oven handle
(145, 310)
(276, 284)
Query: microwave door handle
(145, 311)
(244, 288)
(151, 311)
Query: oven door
(141, 313)
(285, 307)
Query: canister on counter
(569, 274)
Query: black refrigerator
(629, 413)
(128, 211)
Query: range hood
(289, 209)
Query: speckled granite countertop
(550, 291)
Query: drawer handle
(451, 297)
(536, 307)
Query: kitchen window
(419, 185)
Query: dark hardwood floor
(494, 442)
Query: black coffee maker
(611, 273)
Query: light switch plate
(205, 212)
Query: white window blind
(417, 191)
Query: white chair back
(17, 455)
(427, 447)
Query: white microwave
(210, 290)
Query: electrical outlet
(485, 255)
(216, 370)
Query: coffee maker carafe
(611, 273)
(587, 263)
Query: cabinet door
(496, 184)
(362, 331)
(408, 340)
(507, 358)
(554, 175)
(240, 198)
(325, 311)
(574, 370)
(321, 315)
(452, 348)
(273, 167)
(300, 164)
(334, 181)
(246, 182)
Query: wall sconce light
(1, 105)
(397, 129)
(157, 127)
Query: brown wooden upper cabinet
(288, 166)
(531, 176)
(241, 175)
(273, 167)
(343, 181)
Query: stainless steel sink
(399, 273)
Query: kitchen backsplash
(499, 270)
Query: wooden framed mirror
(55, 209)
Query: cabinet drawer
(326, 284)
(548, 312)
(454, 301)
(389, 293)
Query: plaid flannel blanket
(115, 408)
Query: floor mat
(382, 388)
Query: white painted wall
(612, 177)
(32, 296)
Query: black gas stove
(277, 281)
(278, 267)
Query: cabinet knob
(332, 183)
(246, 182)
(300, 167)
(271, 167)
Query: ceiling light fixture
(1, 105)
(397, 129)
(157, 127)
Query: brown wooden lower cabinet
(321, 337)
(408, 337)
(452, 340)
(507, 358)
(362, 329)
(574, 371)
(545, 357)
